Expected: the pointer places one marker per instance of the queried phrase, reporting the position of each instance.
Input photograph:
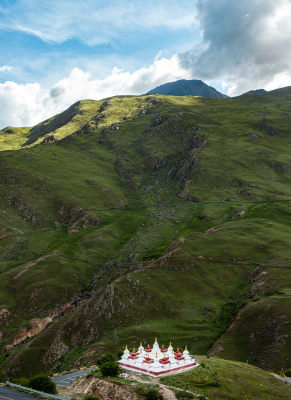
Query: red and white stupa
(157, 361)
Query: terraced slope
(151, 214)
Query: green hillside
(220, 380)
(145, 216)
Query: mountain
(186, 87)
(259, 92)
(139, 216)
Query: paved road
(286, 379)
(11, 394)
(66, 380)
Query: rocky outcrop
(37, 325)
(257, 280)
(49, 139)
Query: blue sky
(44, 40)
(55, 52)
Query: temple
(157, 361)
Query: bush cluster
(149, 393)
(41, 382)
(182, 395)
(108, 366)
(2, 377)
(103, 359)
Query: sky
(56, 52)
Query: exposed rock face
(49, 139)
(104, 389)
(37, 325)
(257, 281)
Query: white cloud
(246, 44)
(94, 21)
(28, 104)
(5, 68)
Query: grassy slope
(60, 126)
(228, 380)
(48, 190)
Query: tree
(20, 381)
(42, 383)
(153, 394)
(2, 377)
(109, 368)
(103, 359)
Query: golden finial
(186, 347)
(163, 346)
(156, 339)
(140, 343)
(134, 349)
(126, 347)
(148, 345)
(170, 344)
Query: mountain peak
(185, 87)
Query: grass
(228, 380)
(80, 217)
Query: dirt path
(26, 267)
(166, 392)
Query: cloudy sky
(55, 52)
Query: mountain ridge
(184, 87)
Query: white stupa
(156, 361)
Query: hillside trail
(167, 393)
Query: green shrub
(2, 376)
(42, 383)
(153, 394)
(227, 314)
(288, 372)
(103, 359)
(183, 395)
(20, 381)
(109, 368)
